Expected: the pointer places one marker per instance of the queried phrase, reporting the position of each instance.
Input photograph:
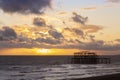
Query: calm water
(52, 68)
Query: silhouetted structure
(86, 57)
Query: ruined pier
(86, 57)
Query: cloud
(98, 45)
(55, 34)
(24, 6)
(89, 8)
(13, 44)
(68, 37)
(39, 22)
(62, 13)
(78, 32)
(92, 38)
(79, 19)
(48, 40)
(118, 40)
(73, 32)
(92, 28)
(10, 39)
(22, 39)
(113, 1)
(7, 33)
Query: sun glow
(43, 51)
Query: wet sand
(106, 77)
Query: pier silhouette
(86, 57)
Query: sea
(52, 68)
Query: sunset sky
(59, 27)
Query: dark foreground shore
(106, 77)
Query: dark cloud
(22, 39)
(96, 45)
(55, 34)
(24, 6)
(76, 31)
(113, 1)
(92, 38)
(24, 42)
(48, 40)
(79, 32)
(100, 45)
(7, 33)
(10, 44)
(79, 19)
(39, 22)
(78, 41)
(118, 40)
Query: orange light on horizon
(43, 51)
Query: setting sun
(43, 51)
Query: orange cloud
(61, 13)
(89, 8)
(92, 28)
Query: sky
(59, 27)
